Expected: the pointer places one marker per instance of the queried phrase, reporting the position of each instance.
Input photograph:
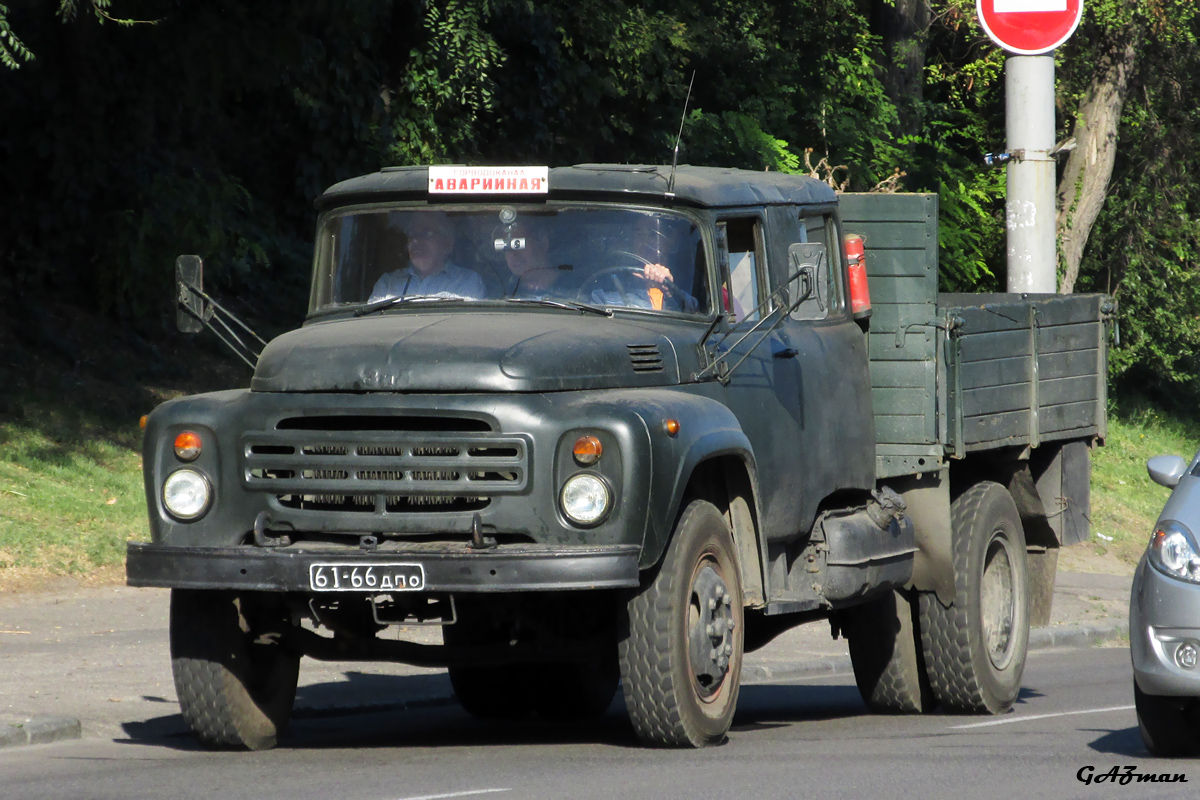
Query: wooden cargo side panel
(900, 235)
(1023, 379)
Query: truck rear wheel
(235, 679)
(681, 657)
(886, 653)
(975, 649)
(501, 692)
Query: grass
(72, 387)
(70, 493)
(1125, 502)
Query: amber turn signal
(588, 450)
(187, 446)
(671, 426)
(142, 422)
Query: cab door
(761, 385)
(830, 368)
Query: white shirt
(450, 281)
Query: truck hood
(467, 351)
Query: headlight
(186, 494)
(1173, 550)
(585, 499)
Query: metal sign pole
(1030, 208)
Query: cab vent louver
(645, 358)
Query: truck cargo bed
(957, 373)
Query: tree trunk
(904, 28)
(1084, 184)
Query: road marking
(1030, 718)
(467, 793)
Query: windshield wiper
(570, 305)
(380, 305)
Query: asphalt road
(800, 738)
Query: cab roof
(706, 187)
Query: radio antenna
(682, 120)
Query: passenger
(533, 276)
(429, 272)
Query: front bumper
(1164, 613)
(505, 568)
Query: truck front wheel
(681, 655)
(235, 677)
(975, 649)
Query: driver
(654, 241)
(429, 272)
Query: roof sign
(489, 180)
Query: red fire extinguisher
(860, 293)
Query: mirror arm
(722, 357)
(216, 313)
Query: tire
(885, 650)
(1166, 727)
(236, 682)
(500, 692)
(579, 690)
(975, 649)
(681, 651)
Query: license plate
(360, 577)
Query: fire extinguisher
(860, 293)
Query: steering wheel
(618, 274)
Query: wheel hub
(710, 631)
(999, 604)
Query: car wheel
(975, 648)
(681, 655)
(1167, 728)
(235, 677)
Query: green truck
(611, 427)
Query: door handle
(787, 352)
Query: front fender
(707, 429)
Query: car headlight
(186, 494)
(1173, 550)
(585, 499)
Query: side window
(742, 250)
(820, 229)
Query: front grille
(645, 357)
(383, 470)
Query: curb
(1039, 639)
(16, 731)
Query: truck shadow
(421, 711)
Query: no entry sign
(1029, 27)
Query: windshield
(596, 255)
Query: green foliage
(12, 50)
(212, 130)
(736, 138)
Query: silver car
(1164, 616)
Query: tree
(1112, 41)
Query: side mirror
(808, 281)
(1166, 470)
(189, 300)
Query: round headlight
(186, 494)
(585, 499)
